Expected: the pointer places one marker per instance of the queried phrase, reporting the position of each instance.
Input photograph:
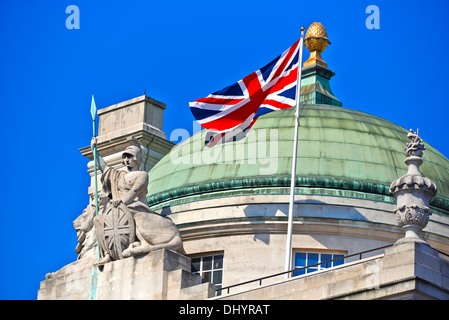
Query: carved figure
(85, 232)
(416, 146)
(117, 236)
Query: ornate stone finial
(316, 41)
(413, 193)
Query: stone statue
(413, 192)
(85, 232)
(416, 146)
(127, 226)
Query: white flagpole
(288, 248)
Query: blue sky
(178, 51)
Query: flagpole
(288, 249)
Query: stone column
(141, 118)
(413, 192)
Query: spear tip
(93, 108)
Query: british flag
(231, 112)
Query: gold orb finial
(316, 41)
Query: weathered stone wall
(407, 271)
(257, 226)
(160, 275)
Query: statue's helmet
(135, 152)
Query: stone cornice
(261, 182)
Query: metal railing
(220, 290)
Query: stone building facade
(230, 204)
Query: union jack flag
(232, 111)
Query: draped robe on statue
(114, 183)
(153, 231)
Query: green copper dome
(341, 152)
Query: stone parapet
(159, 275)
(407, 271)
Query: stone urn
(413, 192)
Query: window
(210, 269)
(304, 259)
